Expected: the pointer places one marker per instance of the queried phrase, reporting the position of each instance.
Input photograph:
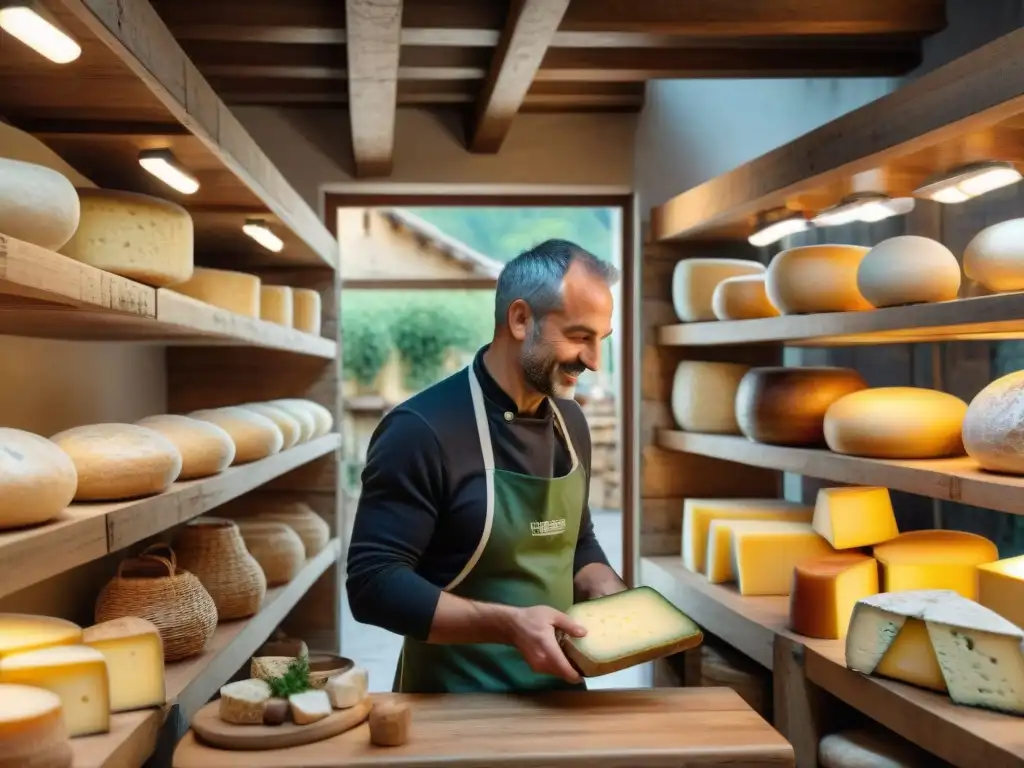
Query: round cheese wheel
(704, 396)
(254, 435)
(786, 406)
(236, 292)
(37, 204)
(302, 415)
(864, 749)
(276, 305)
(816, 278)
(33, 732)
(992, 432)
(995, 256)
(289, 425)
(742, 298)
(306, 309)
(694, 282)
(37, 479)
(205, 448)
(322, 419)
(119, 461)
(136, 236)
(908, 270)
(896, 423)
(934, 559)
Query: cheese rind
(765, 552)
(205, 448)
(134, 654)
(854, 517)
(76, 673)
(908, 269)
(934, 559)
(306, 310)
(32, 729)
(349, 688)
(991, 428)
(694, 282)
(309, 706)
(291, 429)
(742, 298)
(243, 701)
(816, 278)
(302, 414)
(21, 632)
(1001, 588)
(37, 204)
(995, 256)
(37, 479)
(704, 396)
(232, 291)
(825, 590)
(255, 436)
(869, 749)
(276, 305)
(322, 418)
(136, 236)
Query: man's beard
(543, 372)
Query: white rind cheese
(205, 448)
(704, 396)
(277, 305)
(32, 729)
(243, 702)
(37, 204)
(37, 479)
(995, 257)
(255, 436)
(349, 688)
(864, 749)
(236, 292)
(694, 282)
(306, 310)
(991, 430)
(310, 706)
(908, 269)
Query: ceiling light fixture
(26, 21)
(775, 225)
(969, 181)
(162, 164)
(258, 230)
(863, 206)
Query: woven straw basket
(312, 529)
(276, 547)
(212, 548)
(154, 588)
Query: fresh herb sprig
(294, 680)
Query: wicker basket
(212, 548)
(276, 547)
(154, 588)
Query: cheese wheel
(864, 749)
(704, 396)
(786, 406)
(236, 292)
(119, 461)
(136, 236)
(991, 432)
(242, 702)
(323, 420)
(934, 559)
(742, 298)
(826, 588)
(389, 723)
(276, 305)
(816, 278)
(995, 256)
(33, 733)
(306, 309)
(205, 448)
(37, 204)
(694, 282)
(896, 423)
(301, 413)
(289, 425)
(254, 435)
(27, 632)
(908, 270)
(37, 479)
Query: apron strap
(565, 433)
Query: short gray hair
(536, 277)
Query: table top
(596, 729)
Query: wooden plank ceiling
(497, 58)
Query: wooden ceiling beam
(374, 34)
(530, 27)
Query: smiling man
(473, 533)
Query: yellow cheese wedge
(134, 654)
(1001, 588)
(32, 729)
(699, 513)
(76, 673)
(854, 517)
(27, 632)
(911, 658)
(825, 590)
(934, 560)
(765, 552)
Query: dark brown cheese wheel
(786, 406)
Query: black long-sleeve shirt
(422, 505)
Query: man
(473, 534)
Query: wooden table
(691, 727)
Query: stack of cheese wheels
(704, 396)
(37, 479)
(991, 431)
(32, 725)
(306, 310)
(934, 559)
(205, 448)
(119, 461)
(276, 305)
(255, 436)
(742, 298)
(786, 406)
(816, 278)
(995, 257)
(37, 204)
(896, 423)
(694, 282)
(236, 292)
(908, 270)
(135, 236)
(288, 423)
(323, 421)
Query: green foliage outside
(367, 344)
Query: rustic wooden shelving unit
(133, 88)
(969, 110)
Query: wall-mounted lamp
(162, 164)
(863, 206)
(775, 225)
(258, 230)
(969, 181)
(26, 21)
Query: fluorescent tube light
(969, 181)
(776, 230)
(22, 19)
(258, 230)
(161, 163)
(867, 207)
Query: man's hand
(534, 633)
(596, 580)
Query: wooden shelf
(134, 88)
(132, 738)
(964, 736)
(965, 111)
(958, 479)
(982, 318)
(45, 294)
(87, 532)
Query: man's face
(566, 342)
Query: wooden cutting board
(695, 727)
(213, 731)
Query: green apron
(524, 558)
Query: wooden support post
(801, 709)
